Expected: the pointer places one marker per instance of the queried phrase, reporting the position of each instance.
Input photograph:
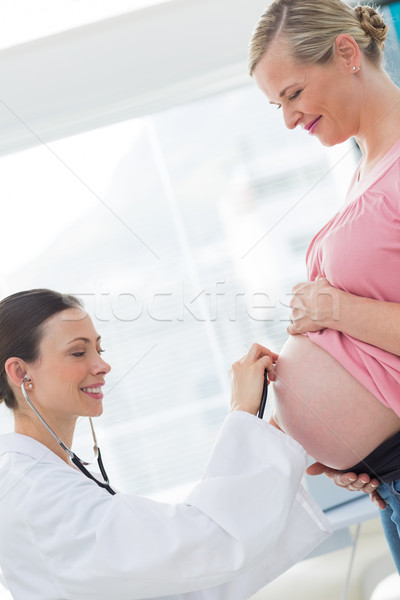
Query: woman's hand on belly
(314, 305)
(317, 305)
(350, 481)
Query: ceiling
(122, 66)
(23, 20)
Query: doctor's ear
(16, 370)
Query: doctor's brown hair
(21, 318)
(311, 27)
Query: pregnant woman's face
(323, 99)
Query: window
(183, 233)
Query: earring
(356, 69)
(30, 386)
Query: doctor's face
(322, 99)
(68, 376)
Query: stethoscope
(81, 465)
(73, 457)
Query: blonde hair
(311, 27)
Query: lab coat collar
(23, 444)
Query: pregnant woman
(338, 384)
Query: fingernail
(351, 479)
(374, 485)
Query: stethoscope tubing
(264, 396)
(73, 457)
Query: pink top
(358, 251)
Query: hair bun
(372, 23)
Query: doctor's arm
(317, 305)
(98, 546)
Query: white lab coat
(64, 538)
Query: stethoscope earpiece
(27, 378)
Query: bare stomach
(318, 403)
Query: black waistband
(383, 462)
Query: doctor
(65, 535)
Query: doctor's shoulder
(46, 507)
(32, 475)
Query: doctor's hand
(314, 305)
(350, 481)
(247, 377)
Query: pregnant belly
(319, 404)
